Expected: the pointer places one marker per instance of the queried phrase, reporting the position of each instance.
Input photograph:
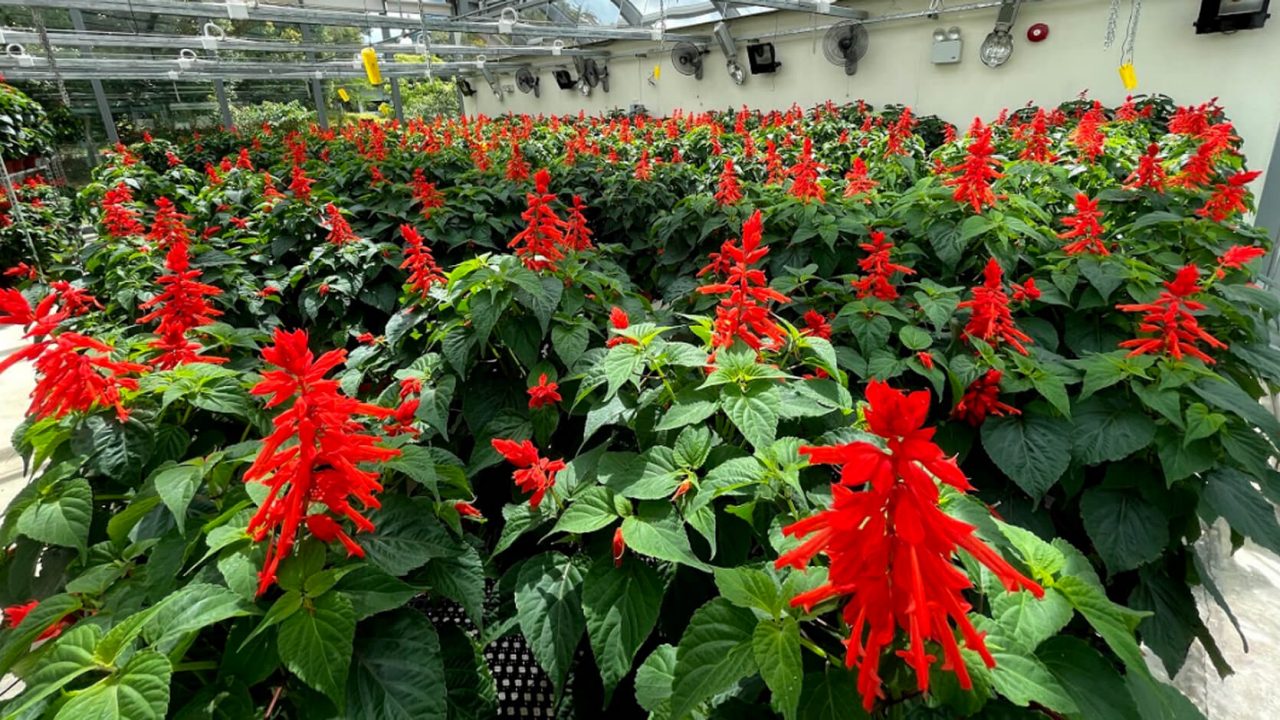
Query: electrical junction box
(946, 52)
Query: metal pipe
(108, 122)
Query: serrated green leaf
(713, 655)
(621, 606)
(397, 671)
(548, 599)
(315, 644)
(776, 645)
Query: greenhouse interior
(668, 359)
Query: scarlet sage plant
(310, 460)
(181, 306)
(743, 313)
(973, 182)
(539, 244)
(1169, 325)
(892, 550)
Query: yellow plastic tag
(342, 93)
(1128, 76)
(657, 72)
(371, 69)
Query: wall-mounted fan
(845, 44)
(595, 75)
(687, 59)
(527, 82)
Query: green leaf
(1101, 371)
(776, 645)
(750, 588)
(831, 695)
(692, 447)
(70, 656)
(1126, 530)
(1114, 623)
(472, 693)
(947, 242)
(1174, 619)
(315, 644)
(1230, 494)
(397, 671)
(1090, 679)
(1158, 701)
(1109, 429)
(138, 691)
(620, 364)
(1019, 675)
(17, 642)
(655, 676)
(1030, 621)
(1180, 460)
(61, 515)
(120, 450)
(1201, 423)
(689, 408)
(1043, 559)
(713, 655)
(407, 535)
(1032, 449)
(590, 511)
(655, 530)
(1228, 396)
(549, 608)
(176, 485)
(621, 606)
(195, 606)
(754, 412)
(915, 338)
(570, 341)
(459, 577)
(649, 476)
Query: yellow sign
(342, 93)
(371, 69)
(1128, 76)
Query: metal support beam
(396, 103)
(224, 107)
(630, 14)
(805, 6)
(109, 123)
(317, 85)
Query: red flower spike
(577, 234)
(743, 313)
(644, 169)
(1228, 198)
(1039, 145)
(423, 270)
(300, 184)
(426, 193)
(1150, 171)
(891, 548)
(71, 379)
(533, 474)
(973, 184)
(15, 614)
(899, 131)
(1237, 256)
(540, 242)
(879, 268)
(728, 192)
(467, 510)
(517, 168)
(1177, 332)
(804, 176)
(168, 229)
(1085, 229)
(982, 398)
(311, 456)
(817, 325)
(544, 393)
(1087, 136)
(859, 181)
(990, 318)
(340, 232)
(1026, 292)
(926, 359)
(180, 307)
(118, 219)
(619, 320)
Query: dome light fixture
(998, 45)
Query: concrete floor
(1250, 580)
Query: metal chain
(1131, 34)
(1113, 17)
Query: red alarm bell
(1037, 32)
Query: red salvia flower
(171, 159)
(804, 176)
(340, 232)
(426, 193)
(467, 510)
(243, 162)
(540, 242)
(858, 181)
(300, 184)
(15, 614)
(926, 359)
(1039, 146)
(990, 318)
(423, 270)
(743, 313)
(311, 456)
(1228, 198)
(1128, 111)
(973, 184)
(728, 191)
(880, 269)
(71, 379)
(517, 168)
(773, 164)
(22, 270)
(1177, 332)
(644, 169)
(1087, 136)
(891, 548)
(1192, 119)
(533, 474)
(1149, 173)
(982, 398)
(544, 393)
(899, 131)
(577, 233)
(376, 177)
(1236, 257)
(619, 546)
(619, 320)
(180, 307)
(118, 219)
(817, 325)
(1026, 292)
(1085, 229)
(168, 229)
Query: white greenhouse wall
(1241, 69)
